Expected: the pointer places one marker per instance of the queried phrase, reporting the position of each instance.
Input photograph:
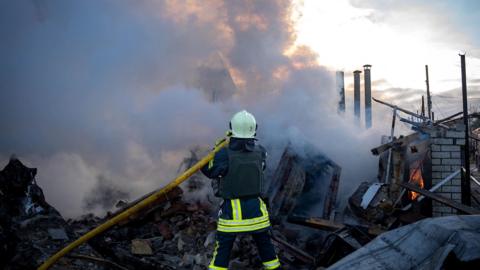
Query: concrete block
(443, 141)
(437, 175)
(457, 197)
(460, 141)
(450, 148)
(451, 161)
(445, 193)
(445, 174)
(438, 168)
(455, 154)
(440, 154)
(436, 180)
(456, 181)
(445, 209)
(460, 127)
(436, 161)
(455, 134)
(445, 189)
(457, 189)
(436, 147)
(455, 168)
(436, 204)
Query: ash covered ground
(171, 234)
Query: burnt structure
(304, 185)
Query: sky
(398, 38)
(108, 97)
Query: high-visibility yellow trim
(238, 224)
(236, 209)
(134, 209)
(212, 262)
(243, 225)
(243, 228)
(239, 209)
(249, 221)
(210, 164)
(273, 264)
(213, 267)
(263, 207)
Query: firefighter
(237, 177)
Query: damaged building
(413, 215)
(308, 232)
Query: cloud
(451, 23)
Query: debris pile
(171, 234)
(308, 230)
(30, 229)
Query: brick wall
(446, 159)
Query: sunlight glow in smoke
(346, 37)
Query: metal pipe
(429, 98)
(368, 95)
(466, 159)
(356, 94)
(341, 90)
(387, 175)
(423, 105)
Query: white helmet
(243, 125)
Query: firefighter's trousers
(224, 244)
(246, 216)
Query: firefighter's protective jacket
(244, 214)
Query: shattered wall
(446, 159)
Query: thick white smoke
(110, 90)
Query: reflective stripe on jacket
(243, 215)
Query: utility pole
(423, 106)
(466, 159)
(429, 98)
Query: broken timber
(296, 252)
(400, 109)
(403, 141)
(317, 223)
(463, 208)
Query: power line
(438, 109)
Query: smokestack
(356, 93)
(341, 90)
(368, 95)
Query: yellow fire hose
(135, 208)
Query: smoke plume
(121, 90)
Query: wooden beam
(317, 223)
(461, 207)
(400, 142)
(400, 109)
(296, 252)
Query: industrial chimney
(356, 93)
(368, 96)
(341, 91)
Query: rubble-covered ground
(179, 233)
(172, 234)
